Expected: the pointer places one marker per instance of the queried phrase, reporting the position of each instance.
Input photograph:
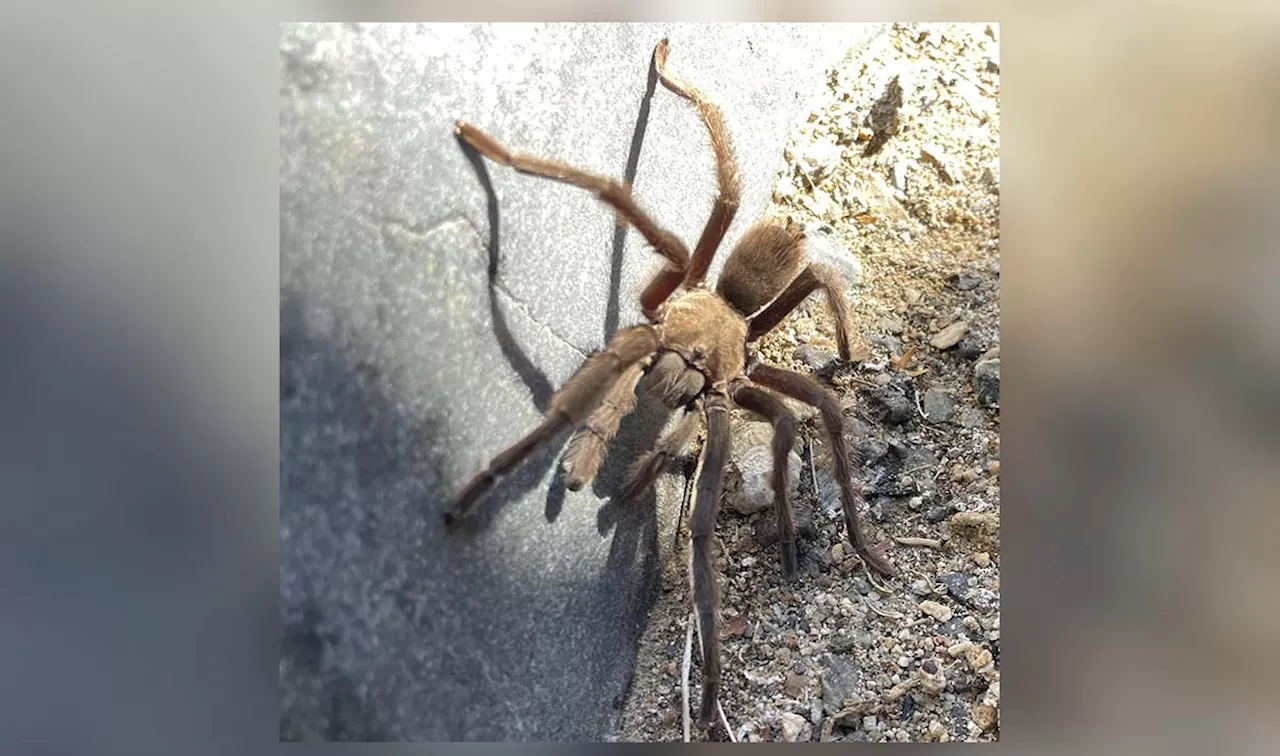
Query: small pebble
(794, 684)
(984, 716)
(937, 404)
(940, 612)
(794, 728)
(986, 382)
(982, 559)
(932, 678)
(949, 336)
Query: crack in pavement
(421, 231)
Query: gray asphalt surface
(430, 304)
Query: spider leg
(654, 461)
(807, 390)
(588, 445)
(768, 406)
(702, 525)
(815, 276)
(614, 193)
(580, 395)
(730, 185)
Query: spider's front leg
(580, 395)
(702, 527)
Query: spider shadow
(532, 470)
(634, 523)
(527, 477)
(612, 308)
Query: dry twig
(688, 655)
(932, 543)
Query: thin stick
(725, 721)
(871, 578)
(688, 654)
(873, 606)
(932, 543)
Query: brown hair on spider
(693, 355)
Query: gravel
(898, 164)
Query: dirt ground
(898, 164)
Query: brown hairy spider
(694, 355)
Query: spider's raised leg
(588, 445)
(807, 390)
(647, 469)
(771, 408)
(815, 276)
(580, 395)
(730, 185)
(702, 526)
(614, 193)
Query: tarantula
(695, 355)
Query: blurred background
(139, 383)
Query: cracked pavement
(430, 303)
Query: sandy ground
(898, 163)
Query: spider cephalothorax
(693, 356)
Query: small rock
(921, 587)
(957, 584)
(986, 382)
(931, 676)
(842, 642)
(936, 730)
(816, 358)
(984, 716)
(861, 585)
(940, 612)
(983, 522)
(794, 728)
(869, 722)
(749, 478)
(970, 346)
(964, 281)
(912, 296)
(949, 336)
(940, 513)
(839, 680)
(982, 559)
(892, 325)
(794, 684)
(888, 404)
(979, 658)
(904, 661)
(937, 404)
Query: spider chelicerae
(694, 355)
